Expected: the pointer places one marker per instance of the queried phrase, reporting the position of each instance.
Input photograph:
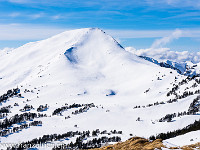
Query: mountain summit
(89, 54)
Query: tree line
(78, 144)
(10, 93)
(58, 111)
(19, 119)
(7, 132)
(192, 110)
(192, 127)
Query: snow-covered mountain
(186, 68)
(183, 62)
(81, 86)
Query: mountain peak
(89, 47)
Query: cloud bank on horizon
(163, 54)
(160, 52)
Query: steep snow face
(87, 66)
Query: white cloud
(163, 41)
(162, 54)
(36, 32)
(117, 3)
(14, 14)
(36, 16)
(56, 17)
(192, 4)
(20, 1)
(138, 33)
(27, 32)
(193, 32)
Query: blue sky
(132, 22)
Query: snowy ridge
(184, 62)
(83, 80)
(184, 68)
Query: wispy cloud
(175, 3)
(115, 3)
(14, 32)
(33, 16)
(138, 33)
(55, 17)
(14, 14)
(24, 1)
(167, 34)
(163, 41)
(36, 16)
(159, 50)
(20, 1)
(27, 32)
(163, 54)
(185, 15)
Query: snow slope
(88, 66)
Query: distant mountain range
(184, 68)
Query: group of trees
(66, 107)
(177, 96)
(182, 82)
(84, 109)
(26, 90)
(193, 109)
(58, 111)
(10, 93)
(78, 144)
(19, 119)
(9, 131)
(149, 105)
(156, 103)
(42, 108)
(192, 127)
(4, 111)
(173, 90)
(94, 143)
(194, 106)
(26, 108)
(186, 94)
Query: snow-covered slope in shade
(87, 66)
